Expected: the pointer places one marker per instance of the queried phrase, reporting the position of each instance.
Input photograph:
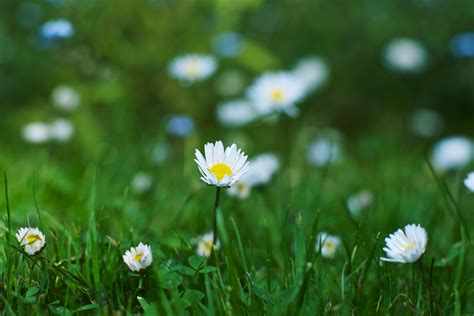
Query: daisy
(221, 168)
(469, 182)
(65, 98)
(192, 68)
(32, 239)
(205, 245)
(236, 113)
(36, 133)
(405, 55)
(276, 92)
(359, 201)
(60, 130)
(313, 72)
(324, 151)
(328, 244)
(141, 182)
(452, 153)
(138, 258)
(406, 247)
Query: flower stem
(214, 229)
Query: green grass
(267, 263)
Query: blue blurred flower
(228, 44)
(462, 45)
(57, 29)
(180, 125)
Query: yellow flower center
(408, 247)
(277, 95)
(30, 239)
(207, 247)
(241, 186)
(138, 256)
(329, 245)
(192, 68)
(220, 170)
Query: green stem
(216, 206)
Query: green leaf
(85, 308)
(197, 262)
(192, 296)
(32, 291)
(185, 270)
(143, 303)
(170, 280)
(453, 253)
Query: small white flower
(359, 201)
(406, 247)
(221, 168)
(193, 67)
(60, 130)
(469, 182)
(138, 258)
(324, 151)
(57, 29)
(426, 123)
(328, 243)
(452, 153)
(240, 189)
(312, 72)
(204, 247)
(276, 92)
(405, 55)
(65, 98)
(36, 132)
(236, 113)
(141, 182)
(32, 239)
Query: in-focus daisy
(236, 113)
(312, 72)
(204, 247)
(32, 239)
(452, 153)
(406, 246)
(426, 123)
(359, 201)
(138, 258)
(405, 55)
(276, 92)
(192, 68)
(221, 168)
(324, 151)
(328, 244)
(65, 98)
(57, 29)
(36, 132)
(469, 182)
(60, 130)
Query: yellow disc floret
(138, 256)
(32, 238)
(277, 95)
(220, 170)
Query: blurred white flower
(57, 29)
(141, 182)
(192, 68)
(204, 247)
(236, 113)
(312, 72)
(359, 201)
(260, 172)
(138, 258)
(324, 151)
(60, 130)
(469, 182)
(32, 239)
(405, 55)
(328, 244)
(36, 132)
(452, 153)
(65, 98)
(426, 123)
(221, 168)
(276, 92)
(406, 247)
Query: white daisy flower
(36, 133)
(324, 151)
(406, 247)
(276, 92)
(221, 168)
(32, 239)
(359, 201)
(236, 113)
(469, 182)
(241, 189)
(60, 130)
(65, 98)
(405, 55)
(192, 68)
(313, 72)
(138, 258)
(141, 182)
(204, 247)
(328, 244)
(452, 153)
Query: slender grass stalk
(214, 225)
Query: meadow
(341, 124)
